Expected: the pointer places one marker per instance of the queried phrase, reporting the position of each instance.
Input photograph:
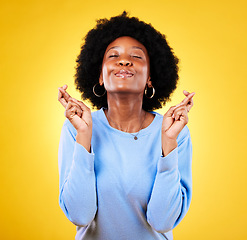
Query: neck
(125, 112)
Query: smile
(124, 74)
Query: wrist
(168, 145)
(84, 139)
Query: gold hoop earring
(146, 90)
(97, 95)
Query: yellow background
(38, 45)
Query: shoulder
(97, 117)
(96, 114)
(158, 117)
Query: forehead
(126, 42)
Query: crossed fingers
(63, 96)
(188, 101)
(73, 108)
(68, 102)
(181, 109)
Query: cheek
(144, 71)
(106, 69)
(106, 75)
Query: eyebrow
(119, 47)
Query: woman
(125, 171)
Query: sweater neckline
(142, 132)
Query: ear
(101, 82)
(149, 82)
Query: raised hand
(175, 119)
(64, 97)
(79, 115)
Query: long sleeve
(77, 182)
(172, 189)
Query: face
(125, 67)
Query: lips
(124, 74)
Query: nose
(125, 62)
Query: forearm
(78, 192)
(76, 177)
(172, 189)
(165, 203)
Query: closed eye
(137, 57)
(113, 55)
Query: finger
(65, 86)
(190, 105)
(72, 109)
(181, 115)
(178, 111)
(79, 111)
(68, 113)
(187, 99)
(69, 105)
(182, 103)
(185, 93)
(59, 94)
(177, 116)
(170, 112)
(179, 108)
(74, 102)
(61, 98)
(82, 105)
(65, 95)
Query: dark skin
(125, 91)
(125, 73)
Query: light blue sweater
(124, 189)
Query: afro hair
(163, 62)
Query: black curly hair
(163, 62)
